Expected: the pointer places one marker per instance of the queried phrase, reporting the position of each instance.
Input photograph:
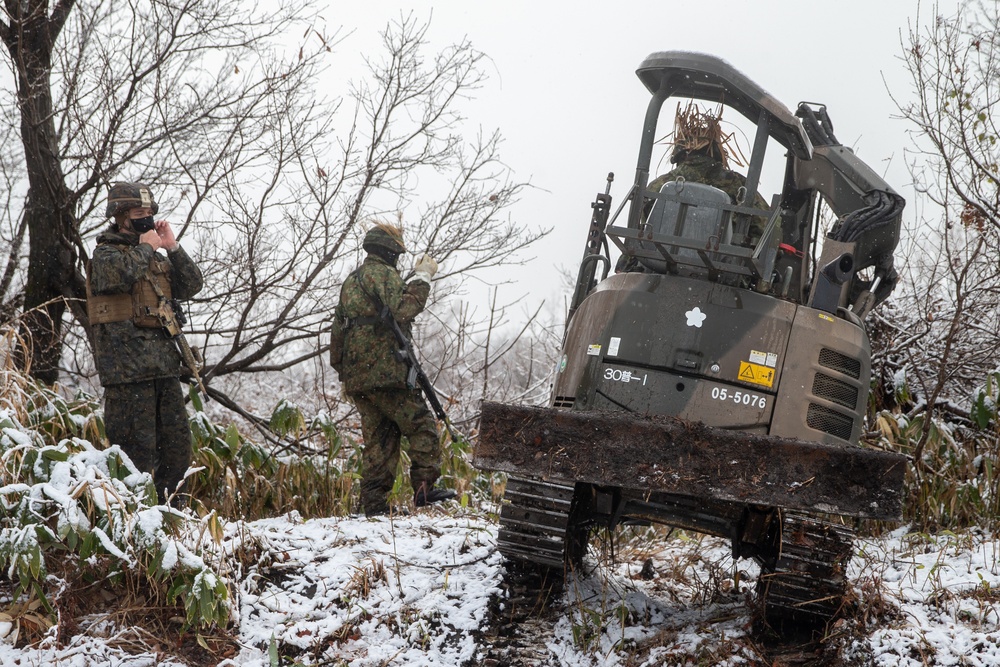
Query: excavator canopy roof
(705, 77)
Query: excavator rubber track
(807, 579)
(535, 524)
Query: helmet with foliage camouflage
(697, 131)
(123, 196)
(385, 236)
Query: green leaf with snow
(53, 454)
(286, 418)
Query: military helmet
(697, 131)
(388, 237)
(123, 196)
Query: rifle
(415, 375)
(172, 323)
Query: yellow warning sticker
(756, 373)
(824, 316)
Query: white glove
(425, 268)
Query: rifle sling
(377, 302)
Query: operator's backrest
(700, 223)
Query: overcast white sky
(563, 89)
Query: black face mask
(143, 225)
(389, 256)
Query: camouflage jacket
(704, 169)
(125, 352)
(369, 347)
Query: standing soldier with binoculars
(132, 288)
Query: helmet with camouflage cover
(385, 237)
(123, 196)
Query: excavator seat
(691, 217)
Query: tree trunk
(54, 280)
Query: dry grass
(365, 578)
(956, 484)
(126, 610)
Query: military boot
(427, 494)
(375, 505)
(375, 511)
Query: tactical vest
(139, 306)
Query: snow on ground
(407, 591)
(415, 590)
(948, 591)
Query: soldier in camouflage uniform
(375, 380)
(137, 361)
(702, 156)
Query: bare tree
(273, 289)
(13, 229)
(954, 63)
(277, 180)
(30, 36)
(508, 355)
(938, 339)
(145, 91)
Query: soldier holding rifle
(379, 373)
(137, 274)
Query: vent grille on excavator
(563, 401)
(840, 391)
(834, 390)
(829, 421)
(840, 362)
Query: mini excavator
(721, 385)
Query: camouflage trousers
(149, 422)
(387, 414)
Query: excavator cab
(819, 172)
(718, 381)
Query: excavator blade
(687, 458)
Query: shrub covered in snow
(67, 505)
